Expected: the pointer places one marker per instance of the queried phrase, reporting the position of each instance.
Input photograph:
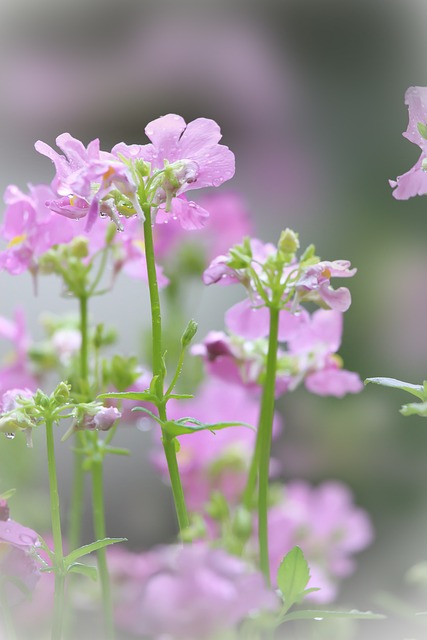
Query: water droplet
(10, 436)
(216, 182)
(149, 132)
(192, 204)
(26, 539)
(318, 619)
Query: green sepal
(422, 128)
(7, 494)
(143, 396)
(414, 409)
(292, 576)
(153, 384)
(89, 548)
(415, 389)
(84, 569)
(318, 614)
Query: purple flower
(93, 416)
(85, 178)
(16, 374)
(328, 527)
(17, 563)
(414, 182)
(182, 157)
(189, 592)
(217, 461)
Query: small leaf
(143, 396)
(89, 548)
(415, 389)
(181, 396)
(85, 569)
(318, 614)
(177, 428)
(414, 408)
(293, 576)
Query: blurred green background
(309, 96)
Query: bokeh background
(309, 96)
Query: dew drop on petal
(216, 182)
(26, 539)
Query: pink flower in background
(30, 228)
(16, 560)
(215, 461)
(315, 347)
(328, 527)
(189, 592)
(414, 182)
(228, 223)
(188, 157)
(16, 373)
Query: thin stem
(177, 372)
(58, 606)
(264, 435)
(158, 370)
(84, 347)
(100, 533)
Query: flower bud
(242, 523)
(288, 242)
(79, 247)
(189, 333)
(62, 393)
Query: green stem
(58, 606)
(158, 370)
(100, 533)
(177, 372)
(77, 494)
(264, 437)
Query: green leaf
(143, 396)
(177, 428)
(414, 408)
(89, 548)
(318, 614)
(293, 576)
(85, 569)
(415, 389)
(181, 396)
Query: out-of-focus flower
(215, 461)
(328, 527)
(414, 182)
(16, 372)
(189, 592)
(94, 416)
(315, 284)
(30, 228)
(181, 157)
(310, 356)
(17, 562)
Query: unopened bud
(189, 333)
(79, 247)
(242, 523)
(288, 242)
(62, 393)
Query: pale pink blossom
(17, 560)
(327, 525)
(414, 182)
(185, 157)
(190, 592)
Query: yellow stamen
(17, 240)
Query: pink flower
(327, 526)
(414, 182)
(16, 373)
(314, 284)
(85, 178)
(16, 560)
(189, 592)
(215, 461)
(185, 157)
(30, 228)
